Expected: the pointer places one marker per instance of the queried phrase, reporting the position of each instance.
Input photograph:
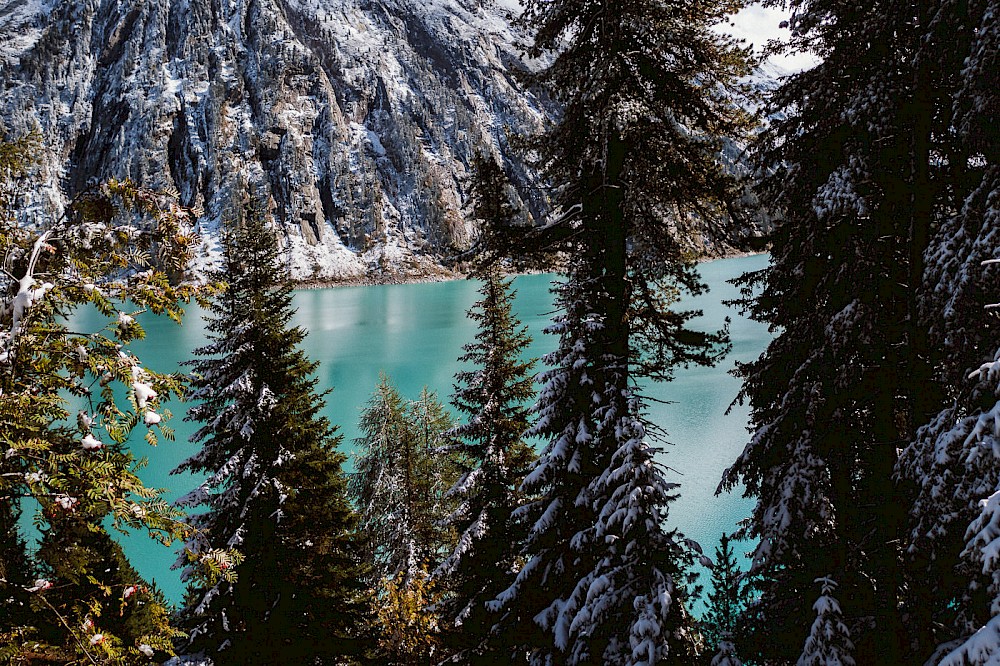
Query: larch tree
(399, 484)
(493, 396)
(379, 487)
(110, 250)
(400, 488)
(862, 165)
(275, 491)
(433, 475)
(634, 160)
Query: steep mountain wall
(357, 119)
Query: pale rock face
(356, 120)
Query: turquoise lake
(415, 333)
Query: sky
(757, 25)
(754, 24)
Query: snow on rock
(21, 23)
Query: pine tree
(275, 489)
(634, 160)
(111, 250)
(729, 596)
(829, 641)
(493, 396)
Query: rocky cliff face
(357, 119)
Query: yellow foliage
(409, 628)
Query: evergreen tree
(633, 159)
(979, 645)
(829, 641)
(949, 462)
(275, 489)
(90, 566)
(399, 484)
(956, 458)
(726, 656)
(380, 486)
(728, 598)
(865, 167)
(110, 250)
(492, 396)
(15, 574)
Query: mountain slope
(358, 118)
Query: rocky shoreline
(437, 274)
(381, 279)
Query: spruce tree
(633, 159)
(864, 167)
(956, 458)
(275, 489)
(829, 641)
(949, 461)
(728, 598)
(493, 397)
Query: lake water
(415, 333)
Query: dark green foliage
(633, 160)
(98, 589)
(954, 590)
(493, 396)
(15, 571)
(882, 191)
(275, 489)
(729, 597)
